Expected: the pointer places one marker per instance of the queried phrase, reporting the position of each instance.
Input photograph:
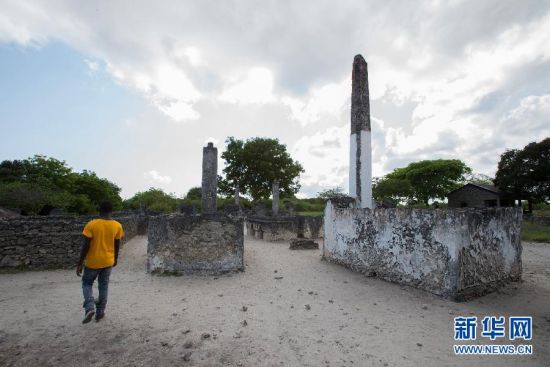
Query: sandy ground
(300, 311)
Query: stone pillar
(237, 196)
(275, 202)
(360, 168)
(209, 178)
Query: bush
(305, 205)
(39, 184)
(32, 198)
(153, 199)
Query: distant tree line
(420, 182)
(523, 174)
(38, 184)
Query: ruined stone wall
(538, 219)
(50, 242)
(284, 228)
(458, 253)
(208, 243)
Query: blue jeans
(88, 279)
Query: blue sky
(133, 90)
(53, 104)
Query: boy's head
(105, 208)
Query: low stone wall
(208, 243)
(50, 242)
(284, 228)
(455, 253)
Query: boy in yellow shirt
(98, 256)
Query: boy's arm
(117, 247)
(83, 252)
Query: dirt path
(160, 321)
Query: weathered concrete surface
(457, 253)
(52, 242)
(303, 244)
(208, 243)
(284, 228)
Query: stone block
(208, 243)
(284, 228)
(303, 244)
(454, 253)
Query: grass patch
(534, 232)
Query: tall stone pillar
(209, 178)
(360, 168)
(275, 201)
(237, 195)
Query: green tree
(97, 189)
(422, 181)
(254, 164)
(525, 173)
(194, 193)
(236, 166)
(328, 194)
(153, 199)
(393, 189)
(44, 171)
(31, 198)
(41, 182)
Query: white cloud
(475, 73)
(531, 115)
(533, 109)
(192, 54)
(179, 111)
(255, 87)
(155, 178)
(92, 65)
(325, 156)
(329, 99)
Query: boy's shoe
(88, 316)
(99, 316)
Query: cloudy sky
(133, 89)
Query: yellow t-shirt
(103, 233)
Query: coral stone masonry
(209, 178)
(208, 243)
(457, 254)
(52, 242)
